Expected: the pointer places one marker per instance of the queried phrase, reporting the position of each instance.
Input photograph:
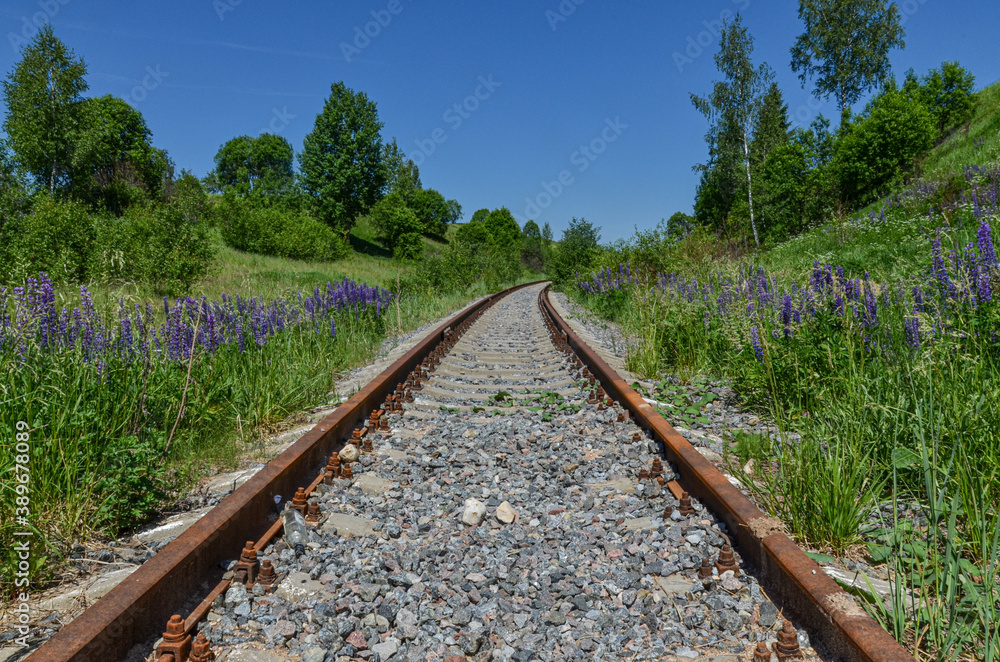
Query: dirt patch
(762, 527)
(843, 602)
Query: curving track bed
(497, 507)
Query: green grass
(960, 149)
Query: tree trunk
(746, 160)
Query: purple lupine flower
(984, 240)
(912, 325)
(758, 349)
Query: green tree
(479, 215)
(845, 47)
(255, 165)
(402, 174)
(734, 106)
(433, 212)
(531, 247)
(503, 230)
(397, 227)
(948, 93)
(772, 125)
(576, 251)
(42, 95)
(342, 158)
(114, 164)
(885, 143)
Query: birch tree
(733, 108)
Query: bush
(883, 145)
(158, 245)
(398, 227)
(272, 230)
(576, 251)
(57, 238)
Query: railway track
(497, 493)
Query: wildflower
(984, 240)
(912, 325)
(758, 349)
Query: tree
(546, 233)
(771, 128)
(576, 251)
(433, 212)
(342, 158)
(402, 174)
(503, 230)
(735, 105)
(42, 95)
(255, 165)
(531, 247)
(883, 144)
(845, 47)
(479, 215)
(113, 162)
(397, 227)
(947, 93)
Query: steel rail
(792, 579)
(136, 610)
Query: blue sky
(580, 107)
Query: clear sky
(552, 77)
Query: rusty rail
(792, 579)
(135, 611)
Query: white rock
(349, 453)
(505, 513)
(475, 511)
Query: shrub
(895, 132)
(397, 226)
(158, 245)
(57, 238)
(254, 227)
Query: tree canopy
(342, 158)
(251, 165)
(42, 95)
(845, 47)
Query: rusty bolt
(345, 472)
(175, 641)
(667, 512)
(334, 463)
(245, 571)
(661, 481)
(383, 423)
(366, 445)
(328, 477)
(643, 474)
(685, 508)
(267, 576)
(601, 394)
(761, 654)
(787, 645)
(636, 436)
(705, 571)
(201, 650)
(621, 417)
(312, 514)
(727, 560)
(657, 467)
(355, 435)
(299, 500)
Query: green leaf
(820, 558)
(879, 553)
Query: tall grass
(894, 389)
